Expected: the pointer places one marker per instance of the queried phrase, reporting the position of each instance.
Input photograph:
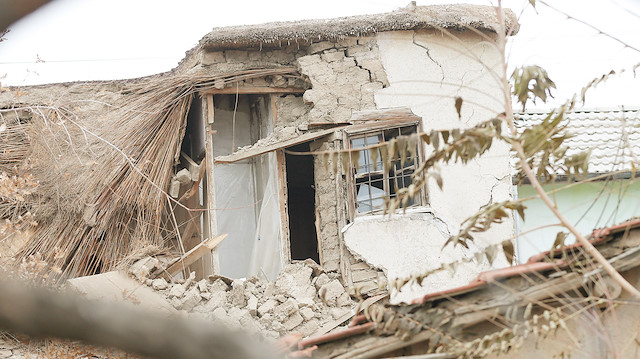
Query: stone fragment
(205, 295)
(292, 321)
(321, 280)
(191, 299)
(218, 285)
(344, 300)
(218, 299)
(190, 280)
(330, 292)
(176, 291)
(270, 289)
(252, 305)
(308, 327)
(302, 276)
(5, 353)
(285, 309)
(307, 313)
(267, 307)
(202, 285)
(159, 284)
(237, 293)
(315, 267)
(141, 269)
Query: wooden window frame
(363, 130)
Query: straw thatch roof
(459, 17)
(102, 154)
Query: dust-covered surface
(301, 300)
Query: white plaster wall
(426, 71)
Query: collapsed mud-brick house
(221, 145)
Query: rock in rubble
(267, 307)
(292, 321)
(252, 305)
(159, 284)
(219, 285)
(237, 294)
(141, 269)
(177, 291)
(330, 292)
(191, 299)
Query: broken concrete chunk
(307, 313)
(191, 299)
(285, 309)
(219, 285)
(159, 284)
(202, 285)
(252, 305)
(309, 327)
(321, 280)
(177, 291)
(344, 300)
(218, 299)
(267, 307)
(205, 295)
(190, 280)
(302, 276)
(237, 293)
(141, 269)
(270, 289)
(183, 176)
(330, 292)
(293, 321)
(315, 267)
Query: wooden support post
(195, 253)
(210, 224)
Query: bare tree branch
(39, 312)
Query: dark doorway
(301, 204)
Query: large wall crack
(430, 57)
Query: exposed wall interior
(240, 188)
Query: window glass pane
(370, 198)
(365, 163)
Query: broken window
(372, 182)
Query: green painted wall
(587, 205)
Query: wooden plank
(253, 90)
(383, 115)
(380, 125)
(210, 224)
(284, 210)
(210, 110)
(256, 151)
(194, 254)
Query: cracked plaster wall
(439, 69)
(422, 70)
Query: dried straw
(112, 167)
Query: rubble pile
(302, 299)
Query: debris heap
(302, 299)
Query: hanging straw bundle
(104, 173)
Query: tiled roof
(543, 266)
(601, 130)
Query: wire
(87, 60)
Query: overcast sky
(115, 39)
